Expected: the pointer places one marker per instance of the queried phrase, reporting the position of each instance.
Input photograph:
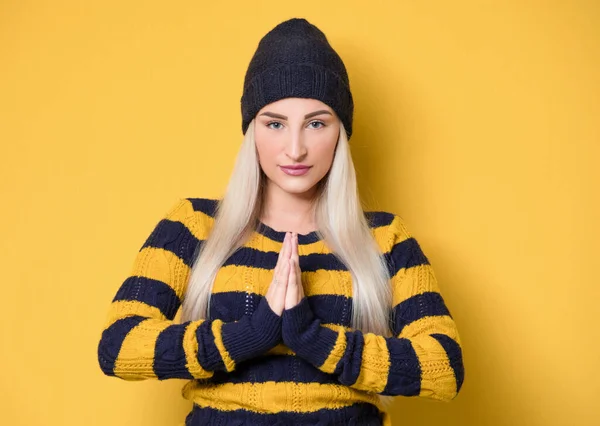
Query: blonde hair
(341, 224)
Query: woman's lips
(295, 171)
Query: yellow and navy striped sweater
(246, 364)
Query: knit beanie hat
(295, 59)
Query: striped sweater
(247, 365)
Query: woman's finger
(281, 291)
(281, 260)
(287, 246)
(281, 254)
(299, 281)
(296, 256)
(277, 289)
(277, 268)
(292, 291)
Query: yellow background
(477, 121)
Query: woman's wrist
(298, 319)
(299, 326)
(254, 334)
(303, 333)
(266, 324)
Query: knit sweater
(248, 365)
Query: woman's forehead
(298, 105)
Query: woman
(317, 325)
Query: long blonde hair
(341, 224)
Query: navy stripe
(230, 306)
(246, 256)
(174, 237)
(207, 206)
(330, 309)
(276, 368)
(111, 341)
(151, 292)
(454, 352)
(405, 254)
(377, 219)
(279, 236)
(321, 343)
(374, 219)
(305, 336)
(404, 376)
(359, 414)
(416, 307)
(348, 368)
(169, 355)
(209, 356)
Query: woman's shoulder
(196, 213)
(388, 228)
(207, 206)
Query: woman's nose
(296, 149)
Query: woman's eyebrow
(283, 117)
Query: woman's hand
(286, 289)
(295, 291)
(276, 294)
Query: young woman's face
(296, 132)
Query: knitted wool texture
(247, 365)
(295, 59)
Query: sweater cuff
(254, 334)
(303, 333)
(298, 318)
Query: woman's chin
(297, 187)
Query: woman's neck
(286, 211)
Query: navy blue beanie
(295, 60)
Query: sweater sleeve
(423, 357)
(141, 341)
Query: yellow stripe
(321, 282)
(280, 349)
(411, 281)
(136, 356)
(443, 324)
(216, 330)
(190, 347)
(336, 353)
(375, 364)
(234, 278)
(274, 397)
(124, 308)
(381, 236)
(265, 244)
(336, 327)
(184, 212)
(205, 224)
(162, 265)
(198, 223)
(392, 234)
(437, 378)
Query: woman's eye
(313, 124)
(273, 122)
